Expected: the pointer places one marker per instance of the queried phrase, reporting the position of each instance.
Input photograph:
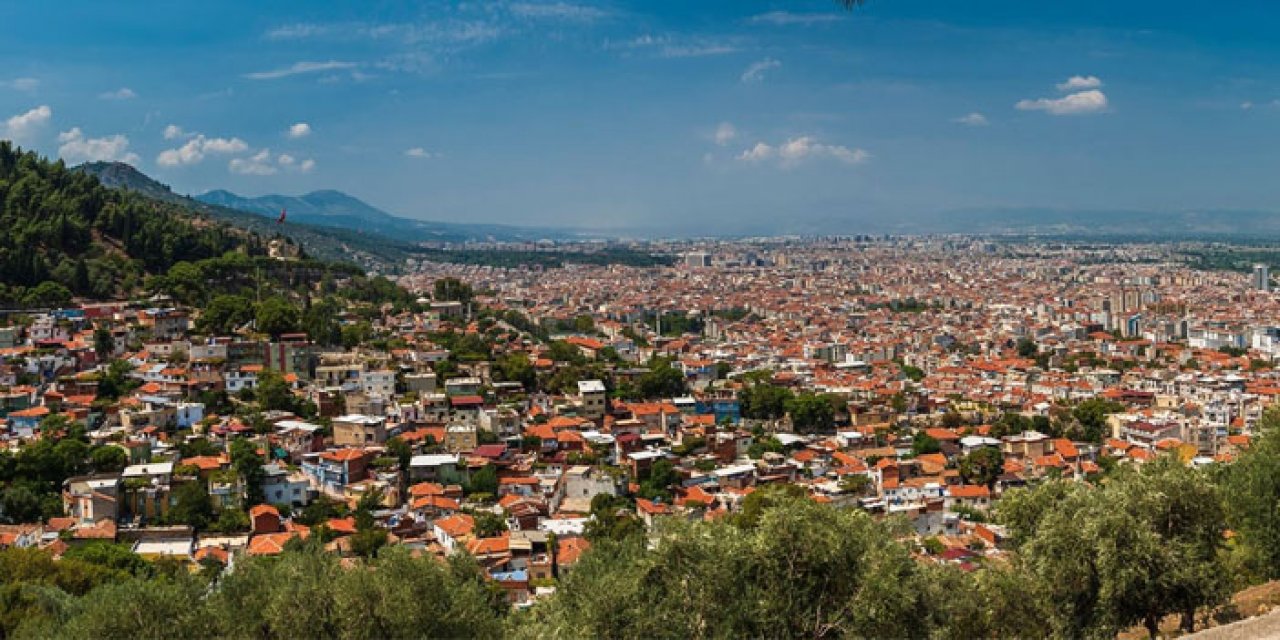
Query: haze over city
(666, 117)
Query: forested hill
(65, 234)
(370, 251)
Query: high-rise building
(697, 259)
(1261, 277)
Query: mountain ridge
(374, 253)
(333, 208)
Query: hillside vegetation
(65, 234)
(370, 251)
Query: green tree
(922, 443)
(452, 290)
(489, 524)
(103, 343)
(320, 322)
(612, 518)
(184, 281)
(356, 334)
(805, 570)
(397, 447)
(192, 505)
(761, 446)
(561, 351)
(224, 314)
(115, 381)
(1146, 544)
(484, 481)
(48, 294)
(158, 608)
(108, 458)
(1027, 348)
(246, 461)
(661, 381)
(20, 504)
(811, 413)
(763, 499)
(367, 542)
(1091, 415)
(657, 484)
(855, 483)
(983, 466)
(1252, 488)
(273, 393)
(231, 520)
(952, 420)
(116, 556)
(276, 316)
(764, 401)
(515, 367)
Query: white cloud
(558, 11)
(291, 163)
(755, 72)
(1079, 83)
(725, 133)
(696, 50)
(195, 149)
(21, 84)
(262, 164)
(299, 68)
(1082, 103)
(437, 32)
(785, 18)
(417, 152)
(224, 145)
(173, 132)
(22, 127)
(757, 153)
(795, 150)
(298, 31)
(646, 40)
(123, 93)
(974, 119)
(1246, 105)
(299, 130)
(75, 148)
(259, 164)
(664, 46)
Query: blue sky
(690, 117)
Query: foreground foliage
(1086, 560)
(304, 593)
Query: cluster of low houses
(551, 454)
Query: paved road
(1264, 626)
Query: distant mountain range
(1101, 224)
(331, 225)
(1187, 224)
(334, 225)
(327, 243)
(331, 208)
